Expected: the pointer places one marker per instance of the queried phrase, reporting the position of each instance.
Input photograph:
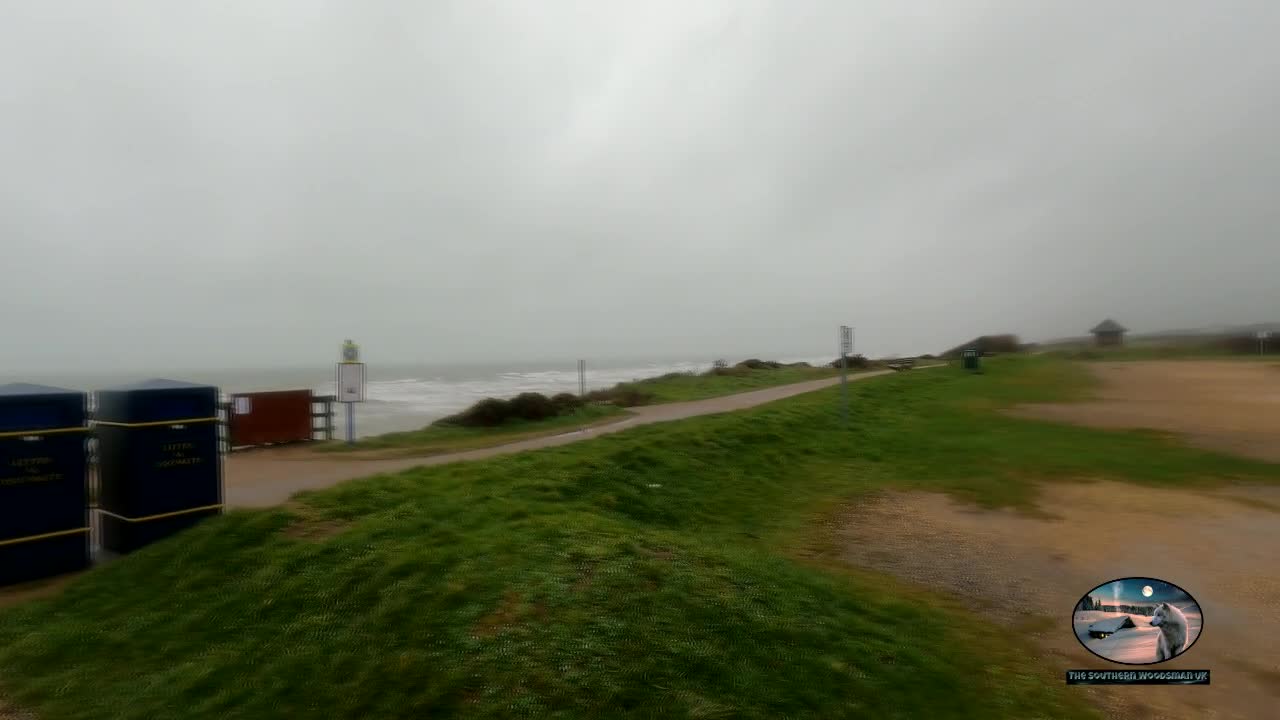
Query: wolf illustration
(1173, 631)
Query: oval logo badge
(1137, 621)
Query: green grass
(683, 387)
(656, 573)
(436, 439)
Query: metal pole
(351, 423)
(844, 388)
(844, 379)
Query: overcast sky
(249, 182)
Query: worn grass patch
(658, 572)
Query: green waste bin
(972, 360)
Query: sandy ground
(1027, 573)
(1228, 406)
(263, 478)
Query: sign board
(846, 340)
(1263, 334)
(244, 406)
(350, 382)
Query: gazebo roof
(1109, 326)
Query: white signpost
(350, 383)
(1262, 341)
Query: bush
(532, 406)
(566, 403)
(489, 412)
(736, 371)
(622, 395)
(631, 396)
(856, 362)
(757, 364)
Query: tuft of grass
(658, 572)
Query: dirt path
(1228, 406)
(270, 477)
(1028, 573)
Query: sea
(401, 397)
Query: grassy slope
(654, 573)
(433, 440)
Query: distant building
(1109, 333)
(1103, 628)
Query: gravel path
(264, 478)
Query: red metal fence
(281, 416)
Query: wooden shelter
(1109, 333)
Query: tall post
(846, 344)
(351, 423)
(328, 419)
(582, 378)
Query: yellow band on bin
(45, 536)
(49, 431)
(157, 423)
(161, 516)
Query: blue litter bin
(159, 468)
(44, 515)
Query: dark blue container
(44, 516)
(159, 467)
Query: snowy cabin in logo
(1103, 628)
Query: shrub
(532, 406)
(489, 412)
(622, 395)
(856, 362)
(757, 364)
(566, 403)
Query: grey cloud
(448, 180)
